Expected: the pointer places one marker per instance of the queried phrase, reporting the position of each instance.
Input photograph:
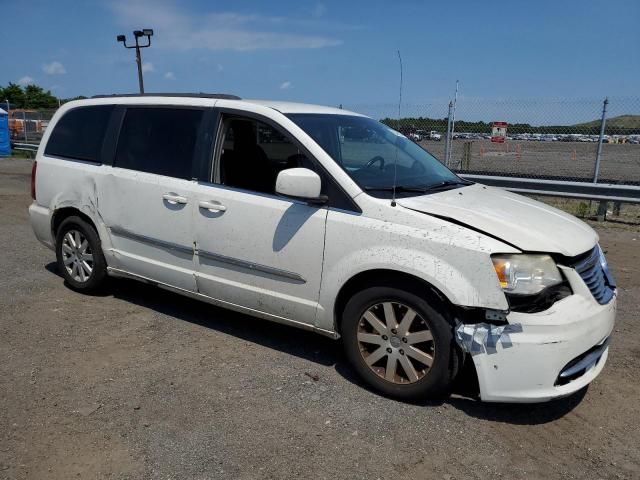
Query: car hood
(524, 223)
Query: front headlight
(526, 274)
(603, 260)
(605, 268)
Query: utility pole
(453, 124)
(137, 34)
(602, 205)
(447, 138)
(603, 122)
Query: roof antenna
(395, 163)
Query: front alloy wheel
(395, 342)
(399, 339)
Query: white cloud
(285, 85)
(169, 76)
(178, 30)
(54, 68)
(319, 10)
(26, 80)
(148, 67)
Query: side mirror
(300, 183)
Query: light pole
(137, 34)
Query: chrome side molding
(256, 267)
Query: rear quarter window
(79, 133)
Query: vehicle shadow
(293, 341)
(519, 413)
(315, 348)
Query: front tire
(399, 343)
(79, 255)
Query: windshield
(372, 154)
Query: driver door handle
(174, 198)
(212, 206)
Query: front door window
(253, 153)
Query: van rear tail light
(33, 179)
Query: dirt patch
(141, 383)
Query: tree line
(30, 96)
(35, 97)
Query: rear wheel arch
(79, 253)
(63, 213)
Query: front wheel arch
(387, 277)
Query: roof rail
(221, 96)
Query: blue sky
(330, 52)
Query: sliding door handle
(213, 206)
(174, 198)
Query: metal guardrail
(607, 192)
(26, 146)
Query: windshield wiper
(446, 185)
(398, 188)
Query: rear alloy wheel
(79, 255)
(399, 343)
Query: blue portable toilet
(5, 143)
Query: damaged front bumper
(537, 357)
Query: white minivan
(330, 221)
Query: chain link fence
(552, 139)
(27, 125)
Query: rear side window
(79, 133)
(159, 140)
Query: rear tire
(400, 344)
(79, 255)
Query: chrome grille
(599, 281)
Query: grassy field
(621, 121)
(627, 217)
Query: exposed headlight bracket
(496, 315)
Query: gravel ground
(141, 383)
